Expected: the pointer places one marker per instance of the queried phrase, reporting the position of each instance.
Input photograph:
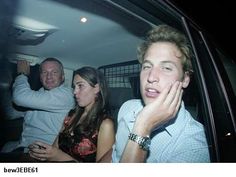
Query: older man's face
(51, 75)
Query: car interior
(87, 33)
(103, 34)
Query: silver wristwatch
(143, 142)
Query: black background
(216, 17)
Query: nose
(49, 75)
(153, 75)
(76, 90)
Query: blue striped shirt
(181, 140)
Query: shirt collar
(175, 124)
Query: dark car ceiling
(108, 10)
(110, 35)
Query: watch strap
(143, 142)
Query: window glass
(230, 67)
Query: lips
(151, 92)
(77, 99)
(49, 83)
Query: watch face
(147, 144)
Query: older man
(47, 107)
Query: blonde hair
(165, 33)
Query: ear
(186, 79)
(96, 89)
(63, 78)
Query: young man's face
(161, 67)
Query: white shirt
(48, 109)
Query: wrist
(141, 128)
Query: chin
(48, 88)
(148, 100)
(81, 105)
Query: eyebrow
(168, 62)
(79, 82)
(147, 61)
(162, 62)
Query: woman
(88, 131)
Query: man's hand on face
(160, 111)
(23, 67)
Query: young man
(47, 107)
(158, 128)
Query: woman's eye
(80, 85)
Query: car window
(216, 104)
(230, 68)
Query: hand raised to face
(160, 111)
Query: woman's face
(84, 93)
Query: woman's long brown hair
(99, 110)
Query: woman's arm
(106, 138)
